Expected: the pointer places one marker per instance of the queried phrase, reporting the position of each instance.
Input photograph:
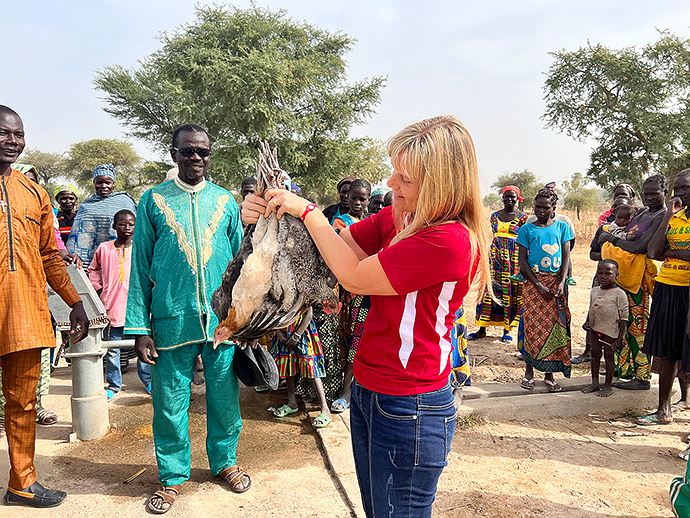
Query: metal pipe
(117, 344)
(89, 402)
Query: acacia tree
(50, 165)
(578, 196)
(247, 75)
(133, 174)
(525, 180)
(634, 103)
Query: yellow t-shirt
(676, 271)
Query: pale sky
(483, 62)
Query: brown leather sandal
(234, 477)
(162, 497)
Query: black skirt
(665, 335)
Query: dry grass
(585, 227)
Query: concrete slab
(336, 443)
(509, 401)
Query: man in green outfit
(186, 233)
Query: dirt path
(590, 466)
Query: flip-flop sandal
(527, 383)
(322, 421)
(285, 411)
(577, 360)
(553, 386)
(165, 497)
(233, 476)
(339, 406)
(506, 338)
(651, 420)
(685, 454)
(475, 336)
(46, 417)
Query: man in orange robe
(28, 257)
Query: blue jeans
(113, 374)
(400, 445)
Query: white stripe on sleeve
(406, 329)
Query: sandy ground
(591, 466)
(283, 458)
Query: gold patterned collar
(191, 189)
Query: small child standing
(297, 350)
(607, 323)
(624, 214)
(109, 274)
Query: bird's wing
(222, 297)
(270, 319)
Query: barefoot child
(297, 350)
(607, 323)
(109, 274)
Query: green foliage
(634, 103)
(578, 196)
(133, 174)
(525, 180)
(84, 156)
(492, 201)
(50, 165)
(247, 75)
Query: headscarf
(67, 187)
(347, 179)
(514, 189)
(551, 186)
(26, 168)
(104, 170)
(627, 187)
(377, 191)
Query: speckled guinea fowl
(276, 275)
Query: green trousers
(171, 379)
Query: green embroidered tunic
(184, 237)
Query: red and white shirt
(405, 349)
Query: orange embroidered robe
(28, 257)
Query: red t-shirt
(405, 349)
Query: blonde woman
(417, 260)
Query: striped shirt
(405, 349)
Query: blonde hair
(439, 154)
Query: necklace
(121, 260)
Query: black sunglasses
(189, 151)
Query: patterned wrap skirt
(504, 264)
(305, 359)
(459, 356)
(544, 331)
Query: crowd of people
(396, 354)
